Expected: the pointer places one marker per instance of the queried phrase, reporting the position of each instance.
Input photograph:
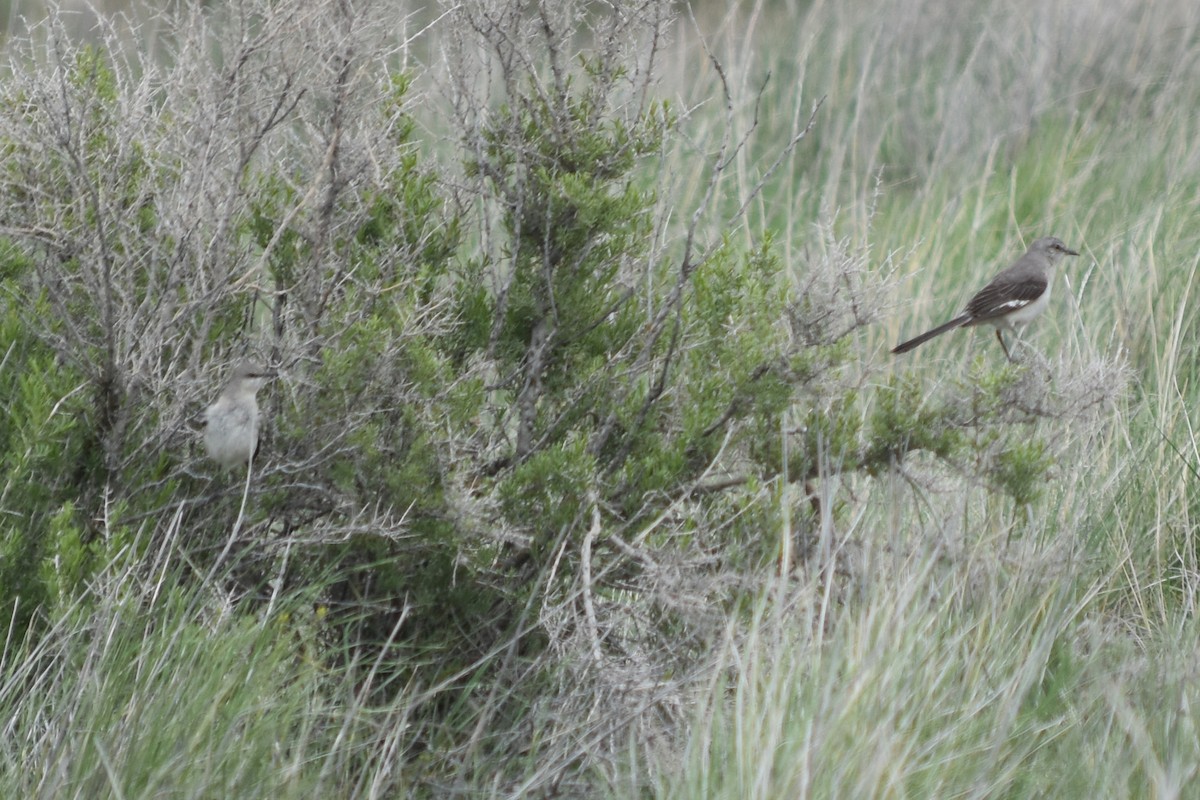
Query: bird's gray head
(248, 376)
(1052, 247)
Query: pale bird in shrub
(231, 423)
(1014, 297)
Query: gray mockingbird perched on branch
(231, 423)
(1014, 297)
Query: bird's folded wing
(1004, 296)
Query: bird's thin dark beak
(1070, 252)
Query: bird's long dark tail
(957, 322)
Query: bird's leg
(1002, 344)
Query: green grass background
(977, 649)
(990, 651)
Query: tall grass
(946, 643)
(982, 650)
(146, 688)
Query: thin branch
(783, 155)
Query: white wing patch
(1009, 305)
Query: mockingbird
(231, 423)
(1014, 297)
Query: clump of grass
(153, 683)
